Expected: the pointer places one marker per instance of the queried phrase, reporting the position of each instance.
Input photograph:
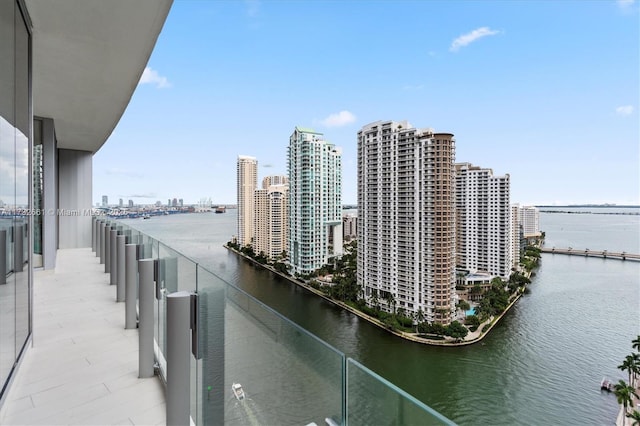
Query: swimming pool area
(469, 312)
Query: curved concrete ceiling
(88, 56)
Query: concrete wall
(74, 198)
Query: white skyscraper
(530, 221)
(315, 200)
(483, 221)
(247, 183)
(406, 219)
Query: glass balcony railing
(288, 375)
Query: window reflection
(15, 123)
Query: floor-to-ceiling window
(15, 169)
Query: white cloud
(340, 119)
(624, 110)
(624, 4)
(469, 38)
(151, 76)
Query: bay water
(542, 364)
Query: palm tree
(631, 365)
(374, 299)
(635, 369)
(635, 343)
(419, 316)
(624, 394)
(635, 416)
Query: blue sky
(547, 91)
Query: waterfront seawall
(472, 338)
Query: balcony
(83, 366)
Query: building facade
(247, 183)
(315, 200)
(517, 236)
(530, 221)
(270, 217)
(54, 116)
(483, 221)
(406, 219)
(350, 227)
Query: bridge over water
(605, 254)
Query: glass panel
(255, 366)
(176, 273)
(23, 174)
(7, 184)
(288, 375)
(374, 400)
(211, 391)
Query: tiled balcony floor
(83, 366)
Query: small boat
(606, 385)
(237, 391)
(220, 209)
(146, 216)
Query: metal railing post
(96, 236)
(178, 362)
(103, 228)
(3, 256)
(145, 329)
(131, 285)
(121, 240)
(113, 257)
(93, 234)
(107, 249)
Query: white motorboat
(237, 391)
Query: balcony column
(121, 240)
(97, 237)
(178, 359)
(113, 256)
(103, 230)
(93, 234)
(145, 328)
(107, 248)
(3, 256)
(131, 285)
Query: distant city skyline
(557, 109)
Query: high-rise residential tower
(530, 221)
(517, 236)
(483, 221)
(270, 216)
(315, 200)
(406, 219)
(247, 183)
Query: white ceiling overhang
(88, 56)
